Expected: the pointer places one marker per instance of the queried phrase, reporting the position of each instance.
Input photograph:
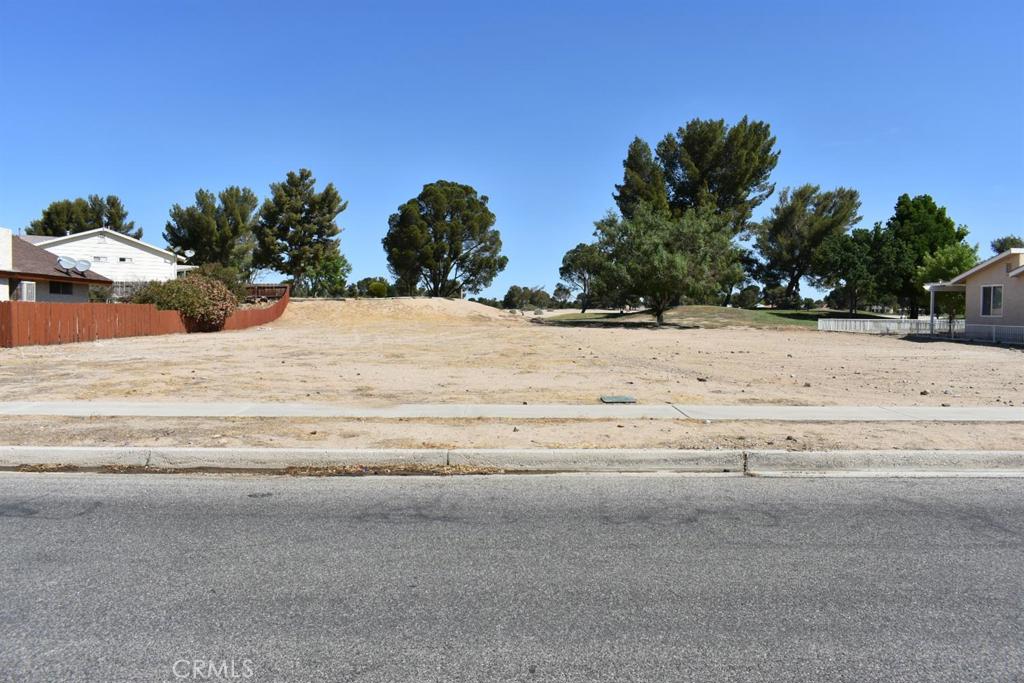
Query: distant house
(994, 297)
(30, 273)
(124, 260)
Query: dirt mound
(354, 312)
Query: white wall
(143, 265)
(6, 261)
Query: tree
(296, 229)
(373, 287)
(71, 216)
(847, 261)
(216, 231)
(581, 267)
(1007, 242)
(516, 298)
(561, 294)
(801, 221)
(642, 182)
(324, 277)
(747, 297)
(445, 238)
(708, 163)
(918, 227)
(665, 259)
(943, 265)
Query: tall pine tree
(296, 230)
(642, 181)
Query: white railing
(1007, 334)
(890, 326)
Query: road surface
(525, 578)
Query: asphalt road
(527, 578)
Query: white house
(125, 260)
(29, 273)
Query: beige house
(994, 297)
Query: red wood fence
(27, 323)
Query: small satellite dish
(66, 262)
(189, 253)
(83, 265)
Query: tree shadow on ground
(612, 323)
(937, 338)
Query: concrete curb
(768, 463)
(751, 463)
(601, 459)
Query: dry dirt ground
(380, 352)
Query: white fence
(890, 326)
(1008, 334)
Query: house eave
(986, 264)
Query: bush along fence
(26, 323)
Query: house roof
(36, 239)
(31, 262)
(985, 264)
(53, 241)
(1017, 272)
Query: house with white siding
(123, 259)
(30, 273)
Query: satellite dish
(83, 265)
(66, 262)
(189, 253)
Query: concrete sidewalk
(664, 411)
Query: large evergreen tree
(917, 228)
(801, 221)
(846, 263)
(1007, 242)
(642, 182)
(71, 216)
(445, 239)
(218, 229)
(296, 230)
(709, 163)
(665, 259)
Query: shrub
(228, 276)
(377, 289)
(204, 303)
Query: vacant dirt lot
(377, 352)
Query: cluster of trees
(69, 216)
(684, 233)
(440, 243)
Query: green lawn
(710, 316)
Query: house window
(992, 300)
(125, 259)
(61, 288)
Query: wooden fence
(27, 323)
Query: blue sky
(533, 104)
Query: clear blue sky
(531, 103)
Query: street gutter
(361, 462)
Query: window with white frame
(992, 300)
